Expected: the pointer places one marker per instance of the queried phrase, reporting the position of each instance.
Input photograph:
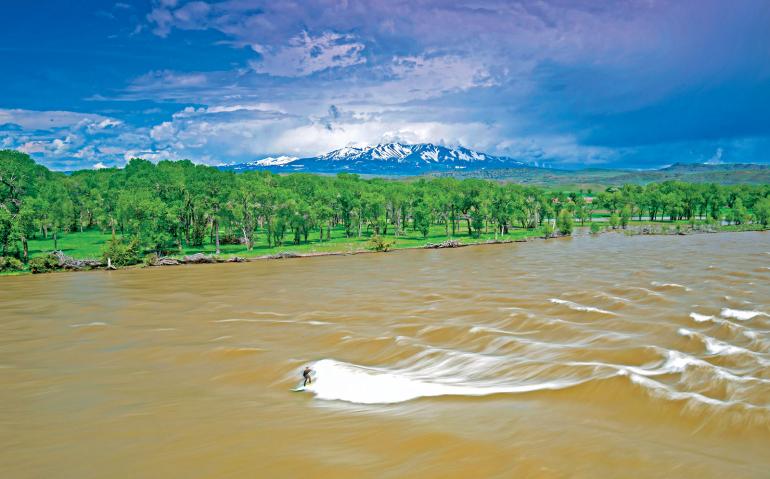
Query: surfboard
(298, 389)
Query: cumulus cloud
(49, 120)
(305, 54)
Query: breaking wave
(580, 307)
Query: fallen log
(198, 258)
(68, 262)
(282, 255)
(445, 244)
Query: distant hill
(702, 167)
(726, 174)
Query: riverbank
(61, 261)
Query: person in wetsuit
(306, 375)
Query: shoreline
(201, 258)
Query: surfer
(306, 375)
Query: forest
(174, 206)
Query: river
(585, 357)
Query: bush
(625, 216)
(8, 263)
(614, 221)
(151, 259)
(377, 243)
(121, 253)
(564, 222)
(595, 228)
(44, 264)
(547, 230)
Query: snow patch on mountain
(274, 161)
(388, 158)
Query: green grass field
(89, 244)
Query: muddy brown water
(587, 357)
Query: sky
(569, 83)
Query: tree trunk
(55, 241)
(216, 229)
(247, 238)
(25, 246)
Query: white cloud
(305, 55)
(49, 120)
(99, 166)
(95, 127)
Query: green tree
(625, 216)
(614, 221)
(565, 222)
(762, 211)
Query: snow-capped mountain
(386, 159)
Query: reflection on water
(583, 357)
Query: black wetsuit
(306, 375)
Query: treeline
(170, 205)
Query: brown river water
(585, 357)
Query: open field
(89, 244)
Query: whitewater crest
(337, 380)
(740, 314)
(580, 307)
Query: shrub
(564, 222)
(377, 243)
(547, 230)
(44, 264)
(151, 259)
(8, 263)
(121, 253)
(625, 216)
(595, 228)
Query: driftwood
(282, 255)
(236, 259)
(198, 258)
(165, 261)
(68, 262)
(681, 230)
(445, 244)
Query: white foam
(670, 285)
(714, 346)
(342, 381)
(686, 332)
(700, 318)
(665, 393)
(579, 307)
(88, 325)
(740, 314)
(278, 321)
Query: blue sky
(574, 83)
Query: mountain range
(398, 159)
(395, 159)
